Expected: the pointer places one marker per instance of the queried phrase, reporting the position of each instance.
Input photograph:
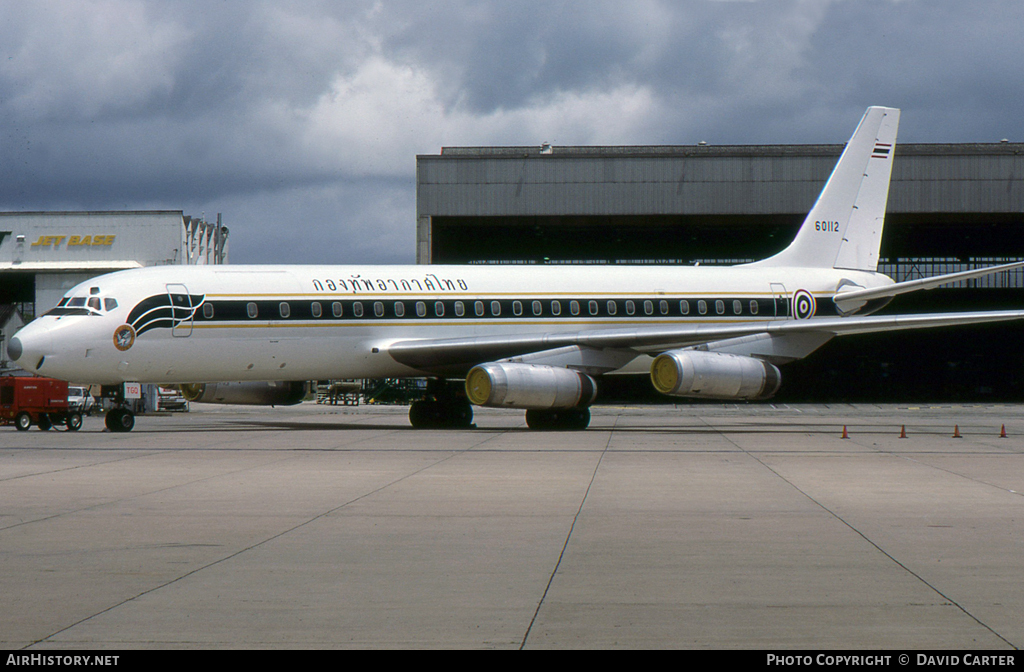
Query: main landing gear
(442, 408)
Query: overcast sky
(301, 121)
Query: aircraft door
(781, 300)
(182, 311)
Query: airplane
(532, 338)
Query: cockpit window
(81, 305)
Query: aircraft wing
(456, 356)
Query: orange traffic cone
(1002, 432)
(903, 431)
(956, 432)
(845, 435)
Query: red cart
(41, 401)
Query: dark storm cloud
(954, 68)
(301, 120)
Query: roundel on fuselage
(803, 304)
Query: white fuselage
(238, 323)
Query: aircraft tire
(459, 414)
(120, 420)
(22, 421)
(430, 414)
(558, 419)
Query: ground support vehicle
(26, 400)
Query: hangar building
(44, 254)
(951, 207)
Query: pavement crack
(565, 545)
(863, 536)
(263, 542)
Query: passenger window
(478, 308)
(737, 306)
(753, 307)
(556, 308)
(648, 307)
(460, 308)
(495, 308)
(517, 308)
(574, 307)
(336, 309)
(612, 308)
(439, 308)
(720, 307)
(251, 310)
(357, 308)
(630, 307)
(208, 311)
(684, 307)
(285, 309)
(537, 308)
(702, 307)
(663, 306)
(399, 309)
(421, 309)
(378, 309)
(314, 308)
(593, 307)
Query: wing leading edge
(456, 356)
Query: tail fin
(844, 228)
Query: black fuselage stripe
(331, 310)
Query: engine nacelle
(713, 375)
(529, 386)
(253, 393)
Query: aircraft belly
(270, 354)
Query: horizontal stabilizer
(850, 300)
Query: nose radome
(14, 349)
(29, 346)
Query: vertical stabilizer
(844, 228)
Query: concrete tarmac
(694, 526)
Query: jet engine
(529, 386)
(257, 393)
(713, 375)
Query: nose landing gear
(120, 420)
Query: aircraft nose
(29, 347)
(14, 349)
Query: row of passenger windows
(495, 308)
